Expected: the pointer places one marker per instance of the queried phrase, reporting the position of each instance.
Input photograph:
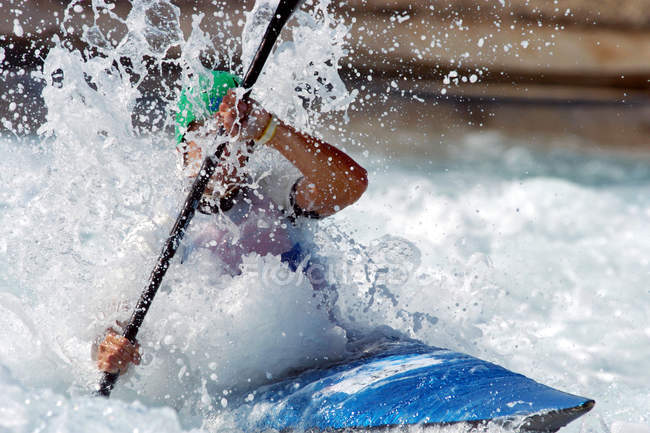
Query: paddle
(282, 14)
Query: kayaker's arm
(332, 179)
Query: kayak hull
(407, 383)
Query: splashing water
(476, 253)
(312, 81)
(103, 214)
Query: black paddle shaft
(283, 12)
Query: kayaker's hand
(247, 120)
(115, 353)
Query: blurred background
(569, 72)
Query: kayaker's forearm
(335, 179)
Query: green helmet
(198, 104)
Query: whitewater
(537, 260)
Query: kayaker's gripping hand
(115, 353)
(245, 120)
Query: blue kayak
(405, 383)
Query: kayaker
(267, 210)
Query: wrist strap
(269, 131)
